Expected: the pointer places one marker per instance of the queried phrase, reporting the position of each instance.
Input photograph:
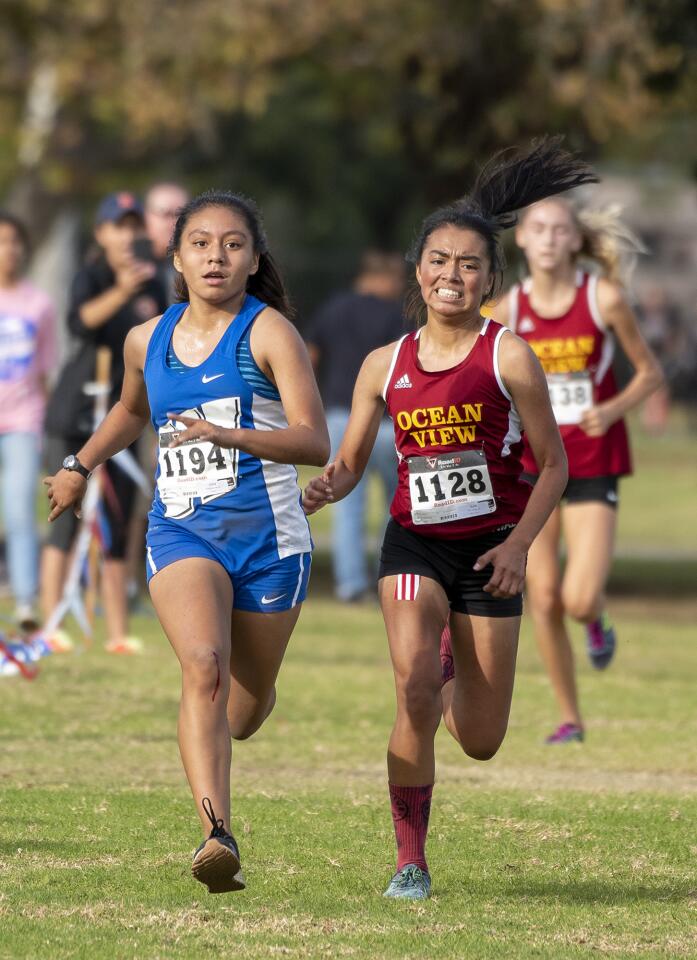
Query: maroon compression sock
(411, 807)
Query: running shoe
(410, 883)
(601, 642)
(127, 646)
(217, 860)
(447, 664)
(566, 733)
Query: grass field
(543, 852)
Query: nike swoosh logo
(205, 379)
(266, 600)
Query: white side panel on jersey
(607, 353)
(497, 372)
(513, 434)
(392, 366)
(281, 480)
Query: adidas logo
(526, 325)
(403, 382)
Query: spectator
(343, 332)
(163, 201)
(27, 354)
(112, 293)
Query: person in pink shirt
(27, 354)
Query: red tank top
(459, 440)
(576, 352)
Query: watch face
(70, 463)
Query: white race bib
(449, 487)
(196, 469)
(571, 395)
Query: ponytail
(510, 181)
(513, 179)
(267, 283)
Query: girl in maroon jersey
(460, 391)
(570, 319)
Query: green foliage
(335, 112)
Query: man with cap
(111, 293)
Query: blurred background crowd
(346, 131)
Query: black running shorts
(449, 563)
(586, 489)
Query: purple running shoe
(600, 642)
(566, 733)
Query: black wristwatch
(72, 463)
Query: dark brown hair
(266, 284)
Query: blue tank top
(236, 502)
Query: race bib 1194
(198, 469)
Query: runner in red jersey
(460, 392)
(571, 320)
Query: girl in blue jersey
(227, 383)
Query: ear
(417, 274)
(577, 242)
(177, 262)
(519, 241)
(255, 265)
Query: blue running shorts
(269, 588)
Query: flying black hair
(511, 180)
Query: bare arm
(127, 419)
(367, 408)
(619, 317)
(122, 425)
(523, 377)
(281, 355)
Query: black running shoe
(217, 860)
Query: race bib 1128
(449, 487)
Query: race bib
(196, 469)
(571, 395)
(450, 487)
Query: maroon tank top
(459, 441)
